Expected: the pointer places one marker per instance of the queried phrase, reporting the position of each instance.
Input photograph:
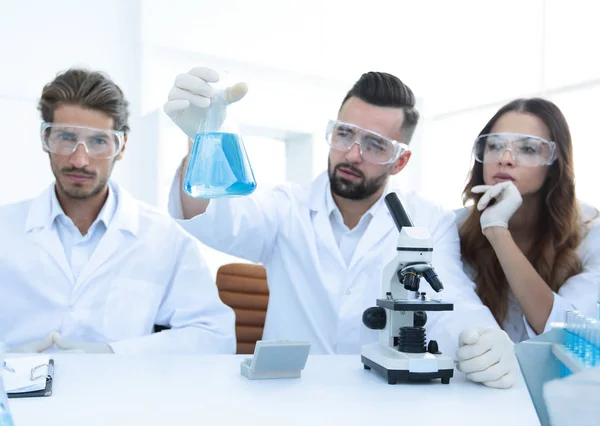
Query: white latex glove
(191, 96)
(487, 356)
(34, 347)
(508, 200)
(86, 347)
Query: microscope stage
(415, 305)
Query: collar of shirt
(336, 215)
(104, 217)
(320, 198)
(348, 239)
(126, 210)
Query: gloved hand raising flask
(218, 165)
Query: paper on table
(20, 380)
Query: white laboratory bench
(115, 390)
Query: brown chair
(243, 287)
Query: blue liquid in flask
(218, 167)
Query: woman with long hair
(532, 249)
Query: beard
(78, 191)
(359, 189)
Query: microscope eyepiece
(399, 215)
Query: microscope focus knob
(433, 347)
(374, 318)
(419, 319)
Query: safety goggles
(63, 139)
(374, 148)
(525, 150)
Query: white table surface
(194, 390)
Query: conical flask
(219, 165)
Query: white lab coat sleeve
(469, 311)
(200, 323)
(175, 207)
(244, 227)
(579, 292)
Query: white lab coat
(314, 295)
(579, 292)
(145, 270)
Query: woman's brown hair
(553, 253)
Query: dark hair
(88, 89)
(386, 90)
(558, 233)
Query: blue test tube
(598, 302)
(575, 334)
(596, 344)
(579, 345)
(569, 331)
(589, 339)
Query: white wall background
(464, 59)
(39, 39)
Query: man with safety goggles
(374, 148)
(64, 139)
(85, 266)
(324, 247)
(350, 145)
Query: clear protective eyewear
(525, 150)
(63, 139)
(374, 148)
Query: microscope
(401, 354)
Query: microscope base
(395, 376)
(398, 366)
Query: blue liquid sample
(568, 339)
(564, 371)
(589, 353)
(218, 167)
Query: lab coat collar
(317, 203)
(125, 221)
(316, 200)
(380, 225)
(125, 217)
(39, 215)
(331, 206)
(320, 190)
(104, 217)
